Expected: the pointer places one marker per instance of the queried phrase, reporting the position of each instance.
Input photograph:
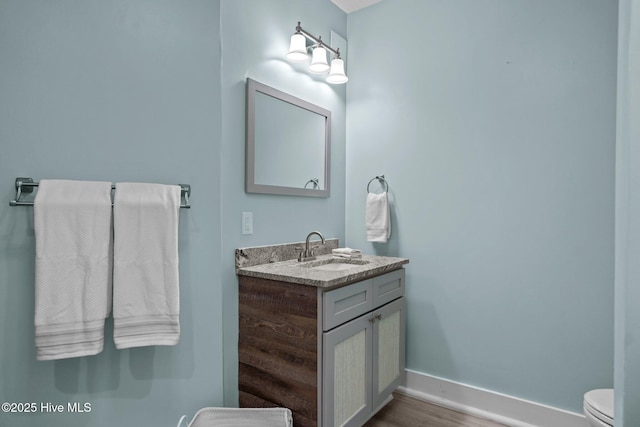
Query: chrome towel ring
(314, 181)
(382, 181)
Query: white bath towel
(378, 217)
(72, 224)
(146, 295)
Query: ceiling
(353, 5)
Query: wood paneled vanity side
(278, 347)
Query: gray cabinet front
(363, 363)
(347, 373)
(388, 350)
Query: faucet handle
(300, 252)
(313, 248)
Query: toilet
(598, 407)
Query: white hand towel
(347, 253)
(72, 225)
(146, 295)
(378, 217)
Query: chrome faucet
(307, 254)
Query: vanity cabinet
(332, 356)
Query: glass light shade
(336, 74)
(298, 49)
(319, 61)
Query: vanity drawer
(346, 303)
(388, 287)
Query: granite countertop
(293, 271)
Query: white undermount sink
(335, 264)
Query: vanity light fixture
(298, 52)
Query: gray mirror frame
(250, 185)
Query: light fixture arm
(317, 40)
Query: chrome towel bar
(26, 185)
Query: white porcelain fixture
(319, 62)
(298, 48)
(336, 74)
(598, 407)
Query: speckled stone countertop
(293, 271)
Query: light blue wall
(627, 343)
(494, 123)
(112, 90)
(492, 120)
(255, 35)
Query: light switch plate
(247, 222)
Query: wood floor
(404, 411)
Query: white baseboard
(501, 408)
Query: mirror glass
(288, 144)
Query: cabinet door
(347, 373)
(388, 350)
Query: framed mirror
(287, 144)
